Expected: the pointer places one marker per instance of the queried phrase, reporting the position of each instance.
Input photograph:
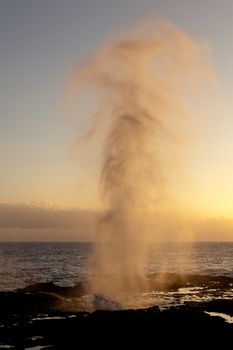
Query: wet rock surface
(45, 316)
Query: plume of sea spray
(139, 83)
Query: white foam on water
(48, 318)
(227, 318)
(189, 290)
(38, 347)
(36, 337)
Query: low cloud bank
(37, 222)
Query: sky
(41, 43)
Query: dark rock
(75, 291)
(44, 314)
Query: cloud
(214, 229)
(33, 216)
(46, 222)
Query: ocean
(191, 298)
(65, 263)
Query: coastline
(46, 316)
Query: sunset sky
(42, 42)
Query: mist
(140, 82)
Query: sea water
(65, 263)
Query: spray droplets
(138, 82)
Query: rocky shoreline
(46, 316)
